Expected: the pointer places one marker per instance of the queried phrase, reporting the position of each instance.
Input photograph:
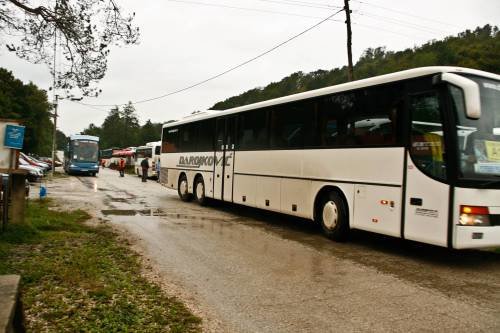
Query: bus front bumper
(469, 237)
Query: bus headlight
(474, 215)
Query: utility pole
(350, 75)
(56, 97)
(54, 134)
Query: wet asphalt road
(253, 271)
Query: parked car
(34, 173)
(48, 160)
(34, 162)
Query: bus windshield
(84, 151)
(479, 139)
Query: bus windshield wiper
(490, 182)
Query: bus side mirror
(470, 90)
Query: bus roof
(153, 143)
(143, 147)
(373, 81)
(84, 137)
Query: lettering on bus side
(199, 161)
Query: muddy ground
(245, 270)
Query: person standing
(145, 167)
(158, 171)
(121, 167)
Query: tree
(61, 140)
(150, 132)
(29, 104)
(131, 127)
(85, 28)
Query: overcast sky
(187, 41)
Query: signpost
(13, 188)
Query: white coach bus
(413, 154)
(152, 150)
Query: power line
(242, 8)
(407, 14)
(372, 27)
(403, 23)
(302, 4)
(228, 70)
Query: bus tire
(182, 188)
(332, 215)
(199, 191)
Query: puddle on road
(125, 200)
(132, 212)
(156, 212)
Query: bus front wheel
(199, 191)
(332, 215)
(182, 188)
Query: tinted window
(291, 125)
(333, 118)
(365, 117)
(188, 137)
(169, 142)
(219, 135)
(252, 130)
(374, 121)
(206, 135)
(427, 142)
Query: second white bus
(152, 150)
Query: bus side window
(220, 131)
(427, 142)
(169, 141)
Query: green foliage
(121, 128)
(28, 103)
(61, 140)
(87, 29)
(77, 278)
(479, 49)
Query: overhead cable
(228, 70)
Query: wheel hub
(330, 215)
(183, 186)
(200, 190)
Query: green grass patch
(80, 278)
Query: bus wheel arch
(182, 187)
(331, 212)
(199, 190)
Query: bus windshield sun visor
(470, 90)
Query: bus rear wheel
(182, 188)
(199, 191)
(332, 215)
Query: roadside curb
(11, 313)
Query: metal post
(54, 132)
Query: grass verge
(80, 278)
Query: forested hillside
(479, 49)
(121, 129)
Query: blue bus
(82, 155)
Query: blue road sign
(14, 136)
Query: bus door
(426, 194)
(224, 158)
